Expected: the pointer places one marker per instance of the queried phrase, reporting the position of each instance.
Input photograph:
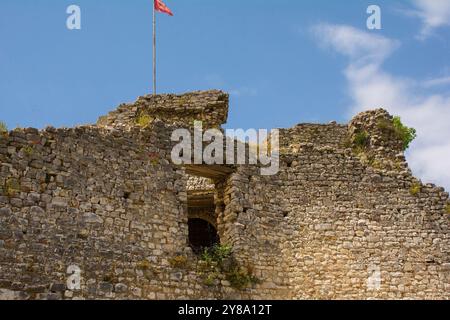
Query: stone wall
(107, 199)
(317, 134)
(210, 107)
(352, 221)
(110, 204)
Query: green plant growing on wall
(11, 187)
(3, 129)
(218, 253)
(143, 120)
(210, 279)
(178, 262)
(447, 208)
(241, 278)
(28, 151)
(360, 142)
(377, 164)
(415, 189)
(361, 139)
(219, 261)
(404, 133)
(144, 265)
(397, 129)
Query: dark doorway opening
(202, 235)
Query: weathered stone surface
(121, 288)
(210, 107)
(12, 295)
(105, 205)
(58, 287)
(92, 218)
(5, 212)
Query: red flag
(161, 7)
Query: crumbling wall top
(210, 107)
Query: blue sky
(284, 62)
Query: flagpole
(154, 48)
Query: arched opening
(202, 213)
(205, 204)
(202, 235)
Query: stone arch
(204, 203)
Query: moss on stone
(28, 151)
(415, 189)
(3, 129)
(240, 278)
(178, 262)
(11, 187)
(143, 265)
(143, 120)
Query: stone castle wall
(87, 197)
(209, 107)
(353, 221)
(107, 199)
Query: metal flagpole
(154, 49)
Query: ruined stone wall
(352, 221)
(354, 217)
(209, 107)
(317, 134)
(340, 222)
(107, 199)
(253, 222)
(109, 203)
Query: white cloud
(436, 82)
(354, 43)
(371, 87)
(433, 13)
